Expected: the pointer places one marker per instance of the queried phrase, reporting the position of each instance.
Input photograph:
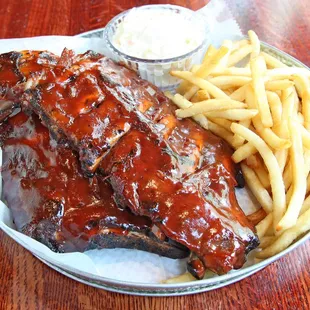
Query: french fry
(207, 67)
(306, 171)
(223, 61)
(201, 83)
(299, 179)
(210, 52)
(255, 44)
(234, 71)
(256, 187)
(238, 141)
(305, 206)
(183, 103)
(287, 110)
(239, 94)
(273, 140)
(275, 107)
(305, 134)
(286, 93)
(201, 95)
(287, 237)
(224, 82)
(243, 152)
(287, 105)
(185, 277)
(238, 44)
(273, 62)
(266, 241)
(252, 162)
(270, 231)
(287, 175)
(221, 132)
(191, 92)
(276, 181)
(278, 85)
(305, 85)
(262, 226)
(233, 114)
(221, 122)
(195, 99)
(258, 68)
(282, 129)
(210, 105)
(266, 133)
(194, 68)
(286, 73)
(212, 62)
(202, 121)
(262, 174)
(281, 156)
(237, 55)
(185, 85)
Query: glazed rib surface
(54, 203)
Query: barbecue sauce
(43, 182)
(17, 67)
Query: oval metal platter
(177, 289)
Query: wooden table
(26, 283)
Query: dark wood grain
(281, 23)
(26, 283)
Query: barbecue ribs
(52, 202)
(169, 170)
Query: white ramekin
(157, 71)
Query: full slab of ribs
(123, 128)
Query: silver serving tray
(178, 289)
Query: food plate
(212, 283)
(178, 288)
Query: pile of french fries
(261, 107)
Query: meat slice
(9, 72)
(18, 67)
(180, 176)
(200, 211)
(74, 103)
(15, 69)
(170, 170)
(51, 200)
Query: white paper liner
(118, 264)
(223, 26)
